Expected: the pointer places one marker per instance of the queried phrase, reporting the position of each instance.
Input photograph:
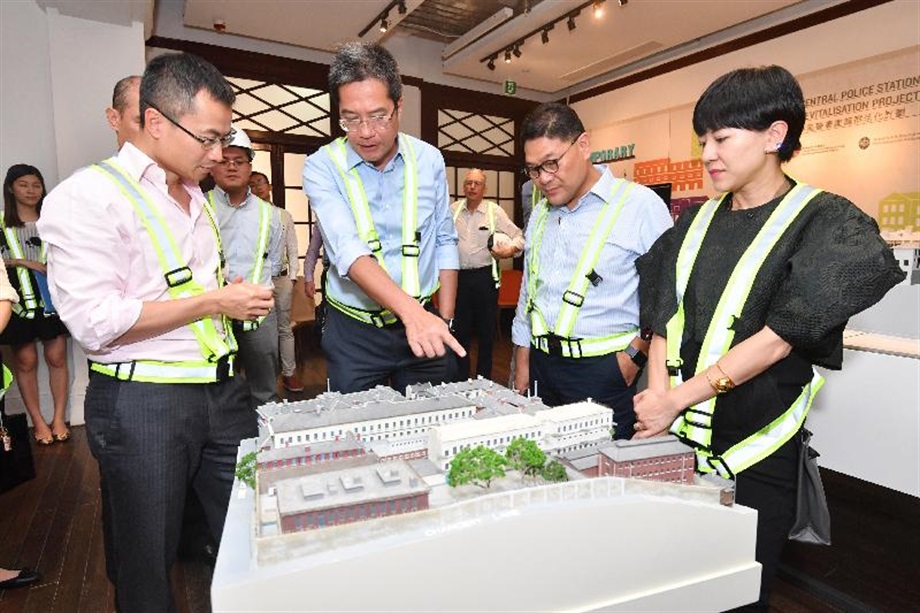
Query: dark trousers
(775, 504)
(560, 380)
(153, 441)
(360, 356)
(258, 355)
(477, 305)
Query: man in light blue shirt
(251, 239)
(381, 198)
(576, 329)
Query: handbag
(812, 517)
(16, 465)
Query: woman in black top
(827, 264)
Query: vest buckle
(411, 250)
(573, 298)
(178, 276)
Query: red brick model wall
(673, 468)
(349, 514)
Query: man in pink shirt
(135, 271)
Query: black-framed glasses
(550, 167)
(208, 142)
(374, 122)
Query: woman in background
(24, 255)
(746, 293)
(22, 577)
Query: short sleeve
(657, 270)
(841, 267)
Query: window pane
(293, 169)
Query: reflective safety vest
(360, 209)
(29, 295)
(217, 352)
(490, 214)
(559, 339)
(261, 254)
(694, 424)
(6, 382)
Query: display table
(572, 546)
(866, 419)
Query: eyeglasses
(550, 167)
(374, 122)
(233, 162)
(208, 142)
(472, 183)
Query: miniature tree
(246, 469)
(478, 466)
(554, 471)
(526, 456)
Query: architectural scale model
(339, 518)
(345, 458)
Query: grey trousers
(152, 442)
(258, 355)
(284, 288)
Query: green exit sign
(510, 87)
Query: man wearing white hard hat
(486, 235)
(251, 236)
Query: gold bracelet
(722, 384)
(731, 383)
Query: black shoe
(24, 578)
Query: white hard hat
(241, 140)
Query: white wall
(57, 75)
(26, 113)
(885, 28)
(80, 94)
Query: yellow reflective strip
(410, 276)
(538, 325)
(204, 330)
(774, 435)
(590, 255)
(357, 199)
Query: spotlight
(571, 23)
(517, 50)
(384, 26)
(491, 63)
(598, 9)
(401, 7)
(507, 56)
(544, 36)
(622, 2)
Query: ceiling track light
(384, 26)
(597, 6)
(401, 7)
(598, 9)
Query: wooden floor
(52, 524)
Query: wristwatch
(450, 323)
(636, 355)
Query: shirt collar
(140, 165)
(353, 159)
(600, 191)
(225, 199)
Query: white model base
(635, 551)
